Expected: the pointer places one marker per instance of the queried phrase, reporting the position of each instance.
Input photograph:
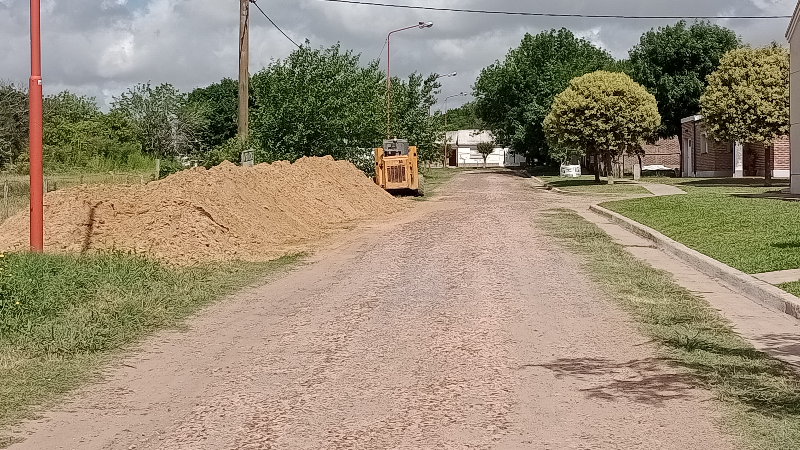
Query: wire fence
(15, 189)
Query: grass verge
(62, 317)
(762, 394)
(587, 185)
(435, 179)
(727, 220)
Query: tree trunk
(609, 169)
(596, 168)
(768, 165)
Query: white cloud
(101, 47)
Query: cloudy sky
(100, 47)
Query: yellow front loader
(397, 169)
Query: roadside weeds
(63, 318)
(761, 394)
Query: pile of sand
(199, 215)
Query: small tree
(604, 114)
(747, 99)
(485, 149)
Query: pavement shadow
(648, 381)
(733, 182)
(783, 344)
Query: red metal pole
(35, 94)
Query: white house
(794, 104)
(466, 155)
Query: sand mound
(199, 215)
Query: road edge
(756, 290)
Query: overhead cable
(274, 24)
(537, 14)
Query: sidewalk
(661, 189)
(768, 330)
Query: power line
(274, 24)
(520, 13)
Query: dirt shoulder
(460, 325)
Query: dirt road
(462, 326)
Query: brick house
(704, 157)
(665, 152)
(794, 102)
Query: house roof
(469, 137)
(692, 119)
(794, 22)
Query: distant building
(466, 151)
(705, 157)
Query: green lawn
(62, 317)
(727, 220)
(435, 179)
(586, 185)
(761, 394)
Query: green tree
(747, 99)
(318, 102)
(673, 63)
(13, 123)
(412, 100)
(166, 124)
(465, 117)
(603, 114)
(485, 149)
(513, 97)
(220, 104)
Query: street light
(460, 94)
(447, 75)
(421, 26)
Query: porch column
(738, 160)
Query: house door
(688, 158)
(453, 160)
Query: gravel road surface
(459, 326)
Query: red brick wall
(754, 157)
(665, 152)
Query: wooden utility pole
(244, 63)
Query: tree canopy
(747, 99)
(673, 63)
(513, 97)
(604, 114)
(464, 117)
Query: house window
(704, 143)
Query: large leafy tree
(673, 63)
(219, 103)
(747, 99)
(317, 102)
(604, 114)
(13, 123)
(166, 124)
(513, 97)
(464, 117)
(412, 100)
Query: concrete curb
(759, 291)
(549, 186)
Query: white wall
(501, 157)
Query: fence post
(5, 197)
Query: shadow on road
(643, 381)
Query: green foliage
(485, 149)
(322, 101)
(220, 104)
(514, 96)
(464, 117)
(63, 316)
(747, 99)
(13, 123)
(231, 151)
(317, 102)
(165, 123)
(602, 113)
(673, 63)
